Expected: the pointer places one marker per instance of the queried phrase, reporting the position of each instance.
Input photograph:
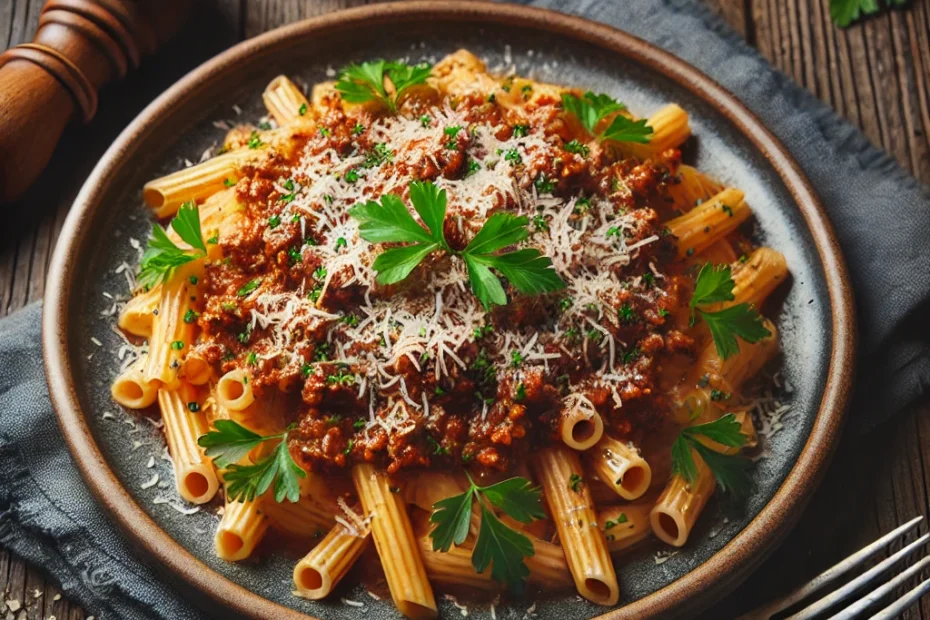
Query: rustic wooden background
(875, 73)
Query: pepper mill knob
(79, 46)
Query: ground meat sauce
(294, 300)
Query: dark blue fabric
(882, 217)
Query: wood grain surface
(875, 73)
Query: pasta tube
(580, 428)
(547, 567)
(693, 188)
(172, 329)
(319, 571)
(680, 504)
(624, 526)
(716, 218)
(621, 466)
(394, 540)
(754, 280)
(284, 101)
(573, 513)
(305, 518)
(131, 389)
(240, 530)
(233, 390)
(136, 316)
(194, 473)
(165, 194)
(670, 129)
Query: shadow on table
(83, 145)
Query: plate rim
(724, 570)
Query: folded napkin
(882, 217)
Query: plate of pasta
(499, 311)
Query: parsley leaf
(162, 256)
(739, 320)
(845, 12)
(528, 271)
(622, 129)
(365, 82)
(390, 222)
(592, 108)
(231, 442)
(396, 264)
(497, 545)
(501, 548)
(452, 516)
(729, 470)
(715, 285)
(517, 497)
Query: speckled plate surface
(120, 454)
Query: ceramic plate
(120, 454)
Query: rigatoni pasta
(492, 324)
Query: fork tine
(831, 574)
(868, 600)
(842, 593)
(893, 610)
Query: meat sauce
(490, 410)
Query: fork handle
(79, 46)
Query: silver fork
(868, 579)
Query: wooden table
(876, 74)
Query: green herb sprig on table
(729, 469)
(231, 442)
(497, 545)
(390, 222)
(591, 109)
(365, 82)
(715, 284)
(845, 12)
(162, 256)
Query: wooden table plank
(876, 73)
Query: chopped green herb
(521, 130)
(190, 316)
(248, 287)
(177, 345)
(544, 185)
(626, 314)
(274, 221)
(575, 482)
(351, 176)
(577, 148)
(193, 406)
(254, 141)
(302, 110)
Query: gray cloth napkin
(881, 214)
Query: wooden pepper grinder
(80, 45)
